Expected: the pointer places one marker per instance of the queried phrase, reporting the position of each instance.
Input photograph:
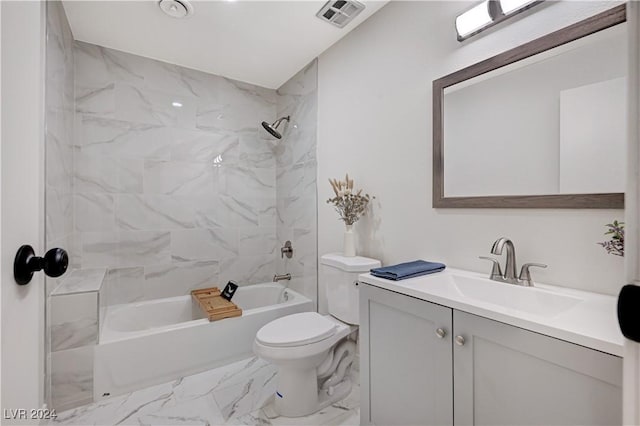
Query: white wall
(374, 112)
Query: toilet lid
(296, 330)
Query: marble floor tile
(236, 394)
(120, 410)
(352, 420)
(201, 411)
(335, 414)
(208, 382)
(345, 412)
(245, 397)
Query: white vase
(349, 242)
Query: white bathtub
(152, 342)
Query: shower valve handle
(287, 250)
(54, 263)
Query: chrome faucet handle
(286, 250)
(525, 275)
(496, 272)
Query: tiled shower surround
(171, 198)
(171, 184)
(175, 185)
(296, 164)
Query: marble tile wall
(72, 377)
(74, 320)
(73, 329)
(60, 334)
(73, 324)
(171, 198)
(59, 132)
(296, 167)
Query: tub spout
(277, 277)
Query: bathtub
(152, 342)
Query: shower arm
(279, 121)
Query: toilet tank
(339, 276)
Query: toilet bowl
(299, 354)
(314, 352)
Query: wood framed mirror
(542, 125)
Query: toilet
(313, 352)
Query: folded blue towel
(402, 271)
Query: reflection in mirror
(542, 125)
(553, 123)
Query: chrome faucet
(509, 275)
(510, 264)
(282, 277)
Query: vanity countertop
(589, 320)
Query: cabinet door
(405, 366)
(507, 375)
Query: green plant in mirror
(615, 245)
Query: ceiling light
(177, 104)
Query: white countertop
(592, 322)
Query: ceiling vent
(340, 12)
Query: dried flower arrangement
(349, 204)
(615, 245)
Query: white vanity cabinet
(405, 366)
(480, 372)
(507, 375)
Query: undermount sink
(526, 299)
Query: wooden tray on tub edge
(214, 306)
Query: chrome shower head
(273, 127)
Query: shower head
(273, 127)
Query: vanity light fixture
(487, 14)
(176, 104)
(509, 7)
(473, 20)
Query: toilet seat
(296, 330)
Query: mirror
(540, 126)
